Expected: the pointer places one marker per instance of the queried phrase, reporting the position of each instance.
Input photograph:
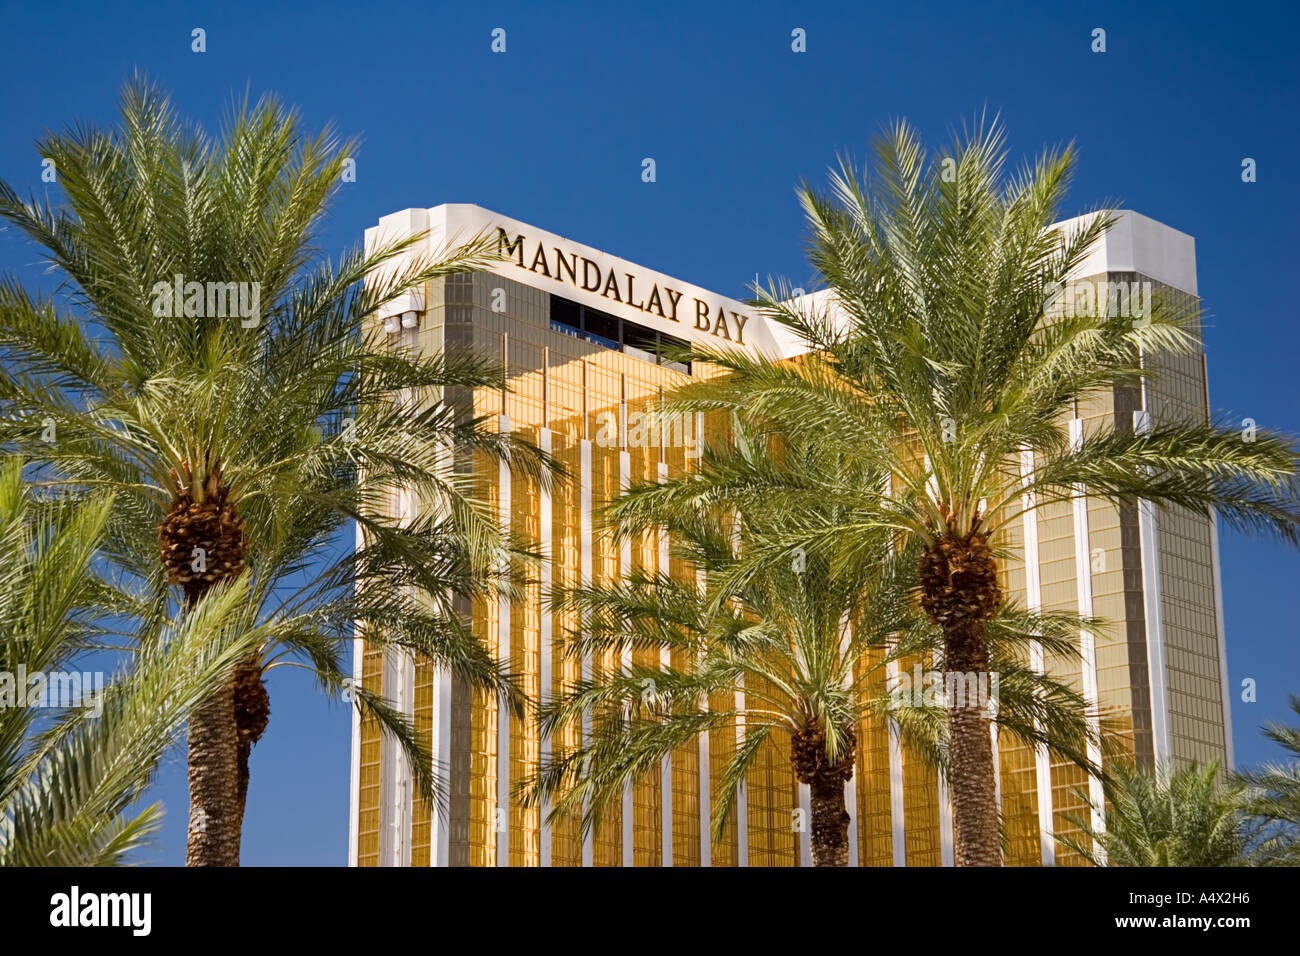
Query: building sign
(625, 288)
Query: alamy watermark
(649, 429)
(1098, 299)
(52, 689)
(74, 908)
(211, 300)
(949, 690)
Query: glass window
(646, 340)
(565, 312)
(601, 327)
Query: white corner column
(1230, 762)
(897, 820)
(666, 765)
(585, 574)
(1034, 601)
(545, 665)
(1087, 642)
(624, 570)
(1153, 610)
(502, 821)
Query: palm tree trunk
(252, 707)
(970, 753)
(215, 817)
(217, 759)
(830, 822)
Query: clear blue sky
(553, 132)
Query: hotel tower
(584, 336)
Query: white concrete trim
(947, 853)
(624, 571)
(585, 574)
(742, 790)
(897, 820)
(1138, 243)
(502, 820)
(850, 785)
(947, 850)
(1153, 609)
(545, 665)
(666, 765)
(997, 755)
(406, 791)
(358, 663)
(439, 823)
(395, 772)
(1034, 601)
(440, 743)
(387, 765)
(1231, 760)
(395, 822)
(1087, 643)
(706, 780)
(805, 832)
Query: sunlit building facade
(586, 340)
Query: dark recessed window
(647, 340)
(566, 312)
(667, 346)
(601, 325)
(608, 330)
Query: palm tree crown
(70, 769)
(1189, 817)
(786, 654)
(1274, 796)
(245, 440)
(939, 364)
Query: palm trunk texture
(201, 543)
(970, 756)
(830, 820)
(830, 823)
(215, 818)
(960, 592)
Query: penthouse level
(585, 275)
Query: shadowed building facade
(586, 340)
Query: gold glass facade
(560, 384)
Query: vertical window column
(706, 781)
(1152, 606)
(851, 785)
(545, 672)
(666, 765)
(1034, 601)
(585, 573)
(805, 824)
(358, 657)
(1225, 692)
(1087, 642)
(897, 819)
(502, 821)
(742, 789)
(624, 571)
(898, 822)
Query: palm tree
(1274, 797)
(1192, 816)
(769, 649)
(932, 359)
(67, 782)
(245, 444)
